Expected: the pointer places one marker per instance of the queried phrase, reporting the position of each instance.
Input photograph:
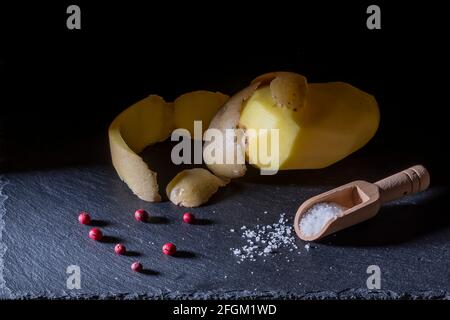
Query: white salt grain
(265, 240)
(318, 216)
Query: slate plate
(408, 240)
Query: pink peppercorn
(188, 218)
(95, 234)
(141, 215)
(120, 249)
(169, 249)
(136, 267)
(84, 218)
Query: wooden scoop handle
(408, 181)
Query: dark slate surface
(409, 239)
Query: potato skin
(149, 121)
(146, 122)
(288, 89)
(228, 118)
(194, 187)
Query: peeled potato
(318, 124)
(197, 106)
(337, 120)
(192, 188)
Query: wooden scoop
(362, 200)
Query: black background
(59, 84)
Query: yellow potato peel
(149, 121)
(145, 122)
(193, 187)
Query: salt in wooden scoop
(359, 201)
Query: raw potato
(149, 121)
(289, 90)
(198, 105)
(337, 120)
(192, 188)
(319, 124)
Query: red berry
(169, 249)
(95, 234)
(141, 215)
(136, 267)
(188, 218)
(84, 218)
(120, 249)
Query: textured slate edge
(4, 291)
(347, 294)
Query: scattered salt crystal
(318, 216)
(231, 230)
(265, 240)
(307, 246)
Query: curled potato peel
(288, 89)
(192, 188)
(129, 134)
(149, 121)
(228, 118)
